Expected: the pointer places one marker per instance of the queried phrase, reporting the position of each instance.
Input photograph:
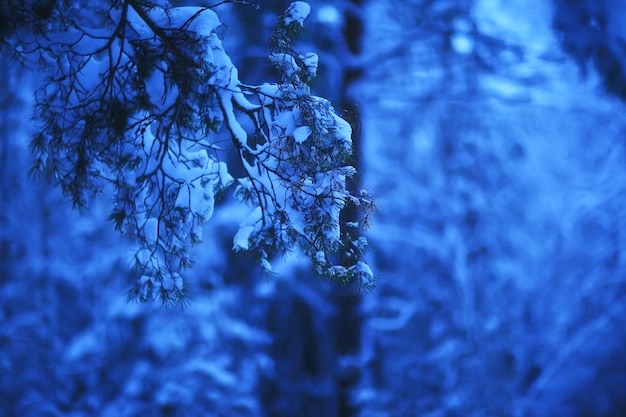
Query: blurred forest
(491, 134)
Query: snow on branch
(132, 106)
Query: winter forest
(348, 208)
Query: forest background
(490, 134)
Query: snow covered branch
(132, 106)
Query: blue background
(491, 134)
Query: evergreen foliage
(135, 104)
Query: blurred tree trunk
(7, 178)
(24, 254)
(348, 301)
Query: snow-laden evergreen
(136, 105)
